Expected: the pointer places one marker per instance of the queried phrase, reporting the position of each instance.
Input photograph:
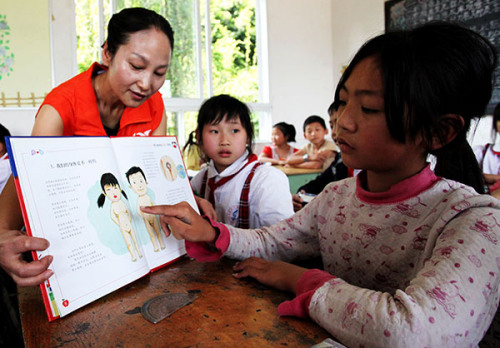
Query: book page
(75, 197)
(155, 174)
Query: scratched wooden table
(228, 312)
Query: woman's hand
(277, 274)
(206, 207)
(184, 222)
(12, 246)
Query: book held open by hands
(83, 194)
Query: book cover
(83, 195)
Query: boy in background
(336, 171)
(319, 153)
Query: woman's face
(138, 68)
(277, 137)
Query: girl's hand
(206, 207)
(297, 202)
(184, 222)
(277, 274)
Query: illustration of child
(119, 211)
(139, 185)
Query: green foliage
(233, 46)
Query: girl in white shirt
(245, 193)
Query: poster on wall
(482, 16)
(25, 61)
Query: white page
(164, 186)
(60, 189)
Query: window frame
(62, 23)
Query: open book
(83, 195)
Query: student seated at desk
(337, 170)
(244, 192)
(410, 257)
(320, 152)
(280, 150)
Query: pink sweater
(416, 266)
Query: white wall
(19, 121)
(309, 41)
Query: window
(213, 54)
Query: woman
(119, 97)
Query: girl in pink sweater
(411, 257)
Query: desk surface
(298, 171)
(228, 312)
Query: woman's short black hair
(132, 20)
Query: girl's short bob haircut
(429, 72)
(224, 107)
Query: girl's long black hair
(429, 72)
(107, 179)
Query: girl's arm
(263, 158)
(266, 155)
(451, 299)
(491, 178)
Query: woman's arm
(48, 122)
(162, 127)
(13, 243)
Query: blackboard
(482, 16)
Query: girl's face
(113, 192)
(138, 68)
(277, 137)
(362, 133)
(224, 142)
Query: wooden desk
(298, 176)
(228, 312)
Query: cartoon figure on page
(139, 184)
(119, 212)
(167, 165)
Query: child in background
(192, 154)
(488, 157)
(282, 134)
(320, 152)
(336, 171)
(244, 193)
(409, 257)
(4, 158)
